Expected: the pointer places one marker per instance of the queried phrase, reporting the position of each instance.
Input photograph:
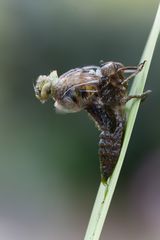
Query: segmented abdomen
(109, 150)
(111, 123)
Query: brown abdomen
(109, 150)
(111, 123)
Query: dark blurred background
(49, 168)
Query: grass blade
(105, 193)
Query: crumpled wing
(84, 81)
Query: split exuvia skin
(102, 91)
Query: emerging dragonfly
(102, 92)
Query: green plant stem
(105, 192)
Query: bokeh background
(49, 169)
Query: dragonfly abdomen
(109, 150)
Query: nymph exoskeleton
(102, 92)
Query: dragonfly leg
(134, 70)
(141, 96)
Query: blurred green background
(49, 168)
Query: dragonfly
(102, 91)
